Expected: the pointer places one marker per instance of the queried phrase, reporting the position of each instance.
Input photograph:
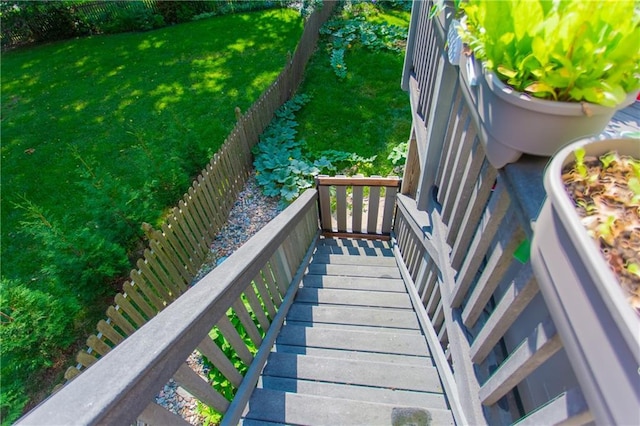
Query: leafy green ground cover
(365, 111)
(351, 116)
(98, 135)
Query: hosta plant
(564, 50)
(606, 193)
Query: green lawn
(367, 112)
(98, 135)
(148, 108)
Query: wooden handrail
(121, 385)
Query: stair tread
(354, 251)
(381, 342)
(354, 315)
(422, 378)
(347, 242)
(354, 283)
(354, 355)
(355, 392)
(355, 270)
(353, 298)
(291, 408)
(342, 259)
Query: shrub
(70, 253)
(35, 326)
(175, 12)
(37, 21)
(137, 18)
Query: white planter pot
(516, 123)
(599, 329)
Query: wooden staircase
(351, 350)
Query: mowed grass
(141, 107)
(367, 112)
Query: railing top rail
(122, 383)
(391, 181)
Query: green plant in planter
(564, 50)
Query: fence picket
(139, 300)
(109, 332)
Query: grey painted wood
(354, 283)
(346, 242)
(341, 208)
(265, 296)
(353, 372)
(539, 346)
(376, 317)
(254, 422)
(459, 349)
(157, 415)
(256, 307)
(354, 251)
(355, 392)
(337, 259)
(325, 208)
(355, 270)
(468, 186)
(433, 341)
(498, 262)
(235, 340)
(472, 216)
(374, 204)
(310, 409)
(570, 408)
(381, 342)
(248, 324)
(234, 413)
(200, 388)
(353, 297)
(338, 328)
(491, 221)
(516, 297)
(217, 357)
(357, 203)
(464, 139)
(389, 208)
(355, 355)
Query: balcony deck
(351, 350)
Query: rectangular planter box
(599, 329)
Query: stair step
(354, 283)
(355, 393)
(347, 242)
(355, 270)
(342, 259)
(353, 298)
(254, 422)
(353, 372)
(354, 315)
(291, 408)
(380, 342)
(353, 355)
(355, 251)
(338, 328)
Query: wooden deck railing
(357, 207)
(464, 241)
(251, 285)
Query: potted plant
(586, 257)
(552, 71)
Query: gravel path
(251, 211)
